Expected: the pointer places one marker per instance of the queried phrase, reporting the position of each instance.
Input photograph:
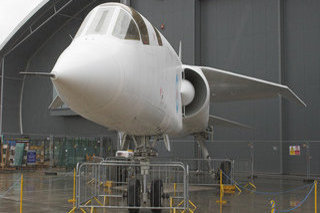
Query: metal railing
(125, 184)
(206, 171)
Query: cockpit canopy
(119, 21)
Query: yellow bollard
(73, 200)
(221, 191)
(74, 187)
(21, 193)
(273, 206)
(315, 196)
(221, 187)
(221, 201)
(174, 194)
(108, 184)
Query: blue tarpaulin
(31, 157)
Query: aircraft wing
(56, 103)
(219, 121)
(228, 86)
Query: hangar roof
(45, 19)
(22, 22)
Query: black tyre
(134, 189)
(122, 174)
(156, 194)
(226, 168)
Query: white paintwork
(135, 88)
(216, 120)
(197, 121)
(229, 86)
(122, 84)
(14, 14)
(187, 92)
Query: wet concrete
(50, 194)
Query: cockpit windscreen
(101, 21)
(121, 22)
(125, 27)
(98, 24)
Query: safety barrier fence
(300, 203)
(109, 184)
(296, 157)
(267, 157)
(312, 188)
(131, 185)
(205, 172)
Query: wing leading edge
(223, 122)
(227, 86)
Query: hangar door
(245, 43)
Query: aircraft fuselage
(122, 84)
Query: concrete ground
(50, 194)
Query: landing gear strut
(201, 138)
(144, 148)
(138, 192)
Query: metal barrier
(206, 171)
(126, 184)
(243, 167)
(203, 172)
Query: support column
(51, 149)
(281, 69)
(1, 98)
(101, 147)
(197, 32)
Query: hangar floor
(50, 194)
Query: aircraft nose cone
(87, 76)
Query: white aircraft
(120, 72)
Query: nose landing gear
(134, 189)
(156, 192)
(139, 194)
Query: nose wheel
(156, 192)
(134, 189)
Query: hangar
(273, 40)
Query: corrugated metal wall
(276, 40)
